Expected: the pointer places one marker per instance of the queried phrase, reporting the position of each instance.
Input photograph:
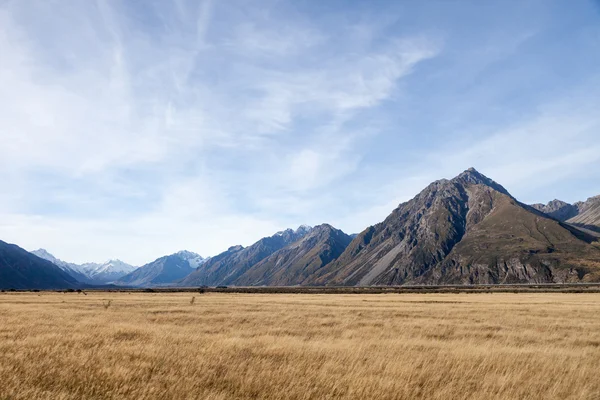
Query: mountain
(466, 230)
(227, 267)
(194, 259)
(163, 271)
(106, 272)
(558, 209)
(296, 262)
(92, 273)
(69, 268)
(20, 269)
(583, 215)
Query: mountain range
(466, 230)
(92, 273)
(286, 258)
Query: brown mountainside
(465, 230)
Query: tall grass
(282, 346)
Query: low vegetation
(299, 346)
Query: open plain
(103, 345)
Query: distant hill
(467, 230)
(20, 269)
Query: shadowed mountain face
(465, 230)
(163, 271)
(295, 263)
(227, 267)
(20, 269)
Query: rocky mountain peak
(473, 177)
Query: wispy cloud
(134, 129)
(156, 124)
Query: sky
(134, 129)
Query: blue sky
(133, 129)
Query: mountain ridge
(226, 267)
(296, 262)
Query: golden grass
(298, 346)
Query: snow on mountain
(69, 268)
(111, 268)
(194, 259)
(97, 273)
(66, 266)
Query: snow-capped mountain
(94, 273)
(194, 259)
(106, 272)
(42, 253)
(163, 271)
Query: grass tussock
(303, 346)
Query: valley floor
(299, 346)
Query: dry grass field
(299, 346)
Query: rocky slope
(227, 267)
(20, 269)
(588, 216)
(584, 215)
(465, 230)
(558, 209)
(295, 263)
